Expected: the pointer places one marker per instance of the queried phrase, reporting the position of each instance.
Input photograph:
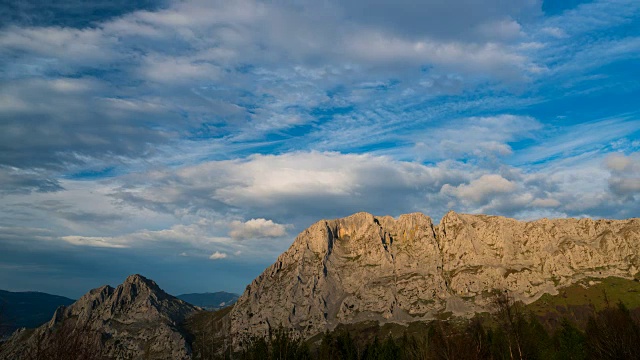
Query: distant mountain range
(28, 309)
(210, 301)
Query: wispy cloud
(213, 128)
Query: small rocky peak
(414, 219)
(94, 298)
(58, 316)
(140, 281)
(451, 219)
(320, 236)
(450, 216)
(138, 287)
(449, 226)
(355, 222)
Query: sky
(191, 141)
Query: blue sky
(191, 141)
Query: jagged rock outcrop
(380, 268)
(136, 320)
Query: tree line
(509, 333)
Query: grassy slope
(576, 302)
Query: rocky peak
(136, 286)
(135, 319)
(137, 280)
(364, 267)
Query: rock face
(136, 320)
(399, 270)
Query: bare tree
(613, 334)
(510, 318)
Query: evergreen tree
(570, 342)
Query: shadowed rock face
(135, 320)
(378, 268)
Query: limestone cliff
(136, 320)
(380, 268)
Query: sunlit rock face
(379, 268)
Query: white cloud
(625, 173)
(94, 241)
(217, 256)
(176, 70)
(307, 185)
(256, 228)
(478, 137)
(505, 29)
(545, 203)
(555, 32)
(73, 46)
(197, 235)
(490, 58)
(481, 189)
(621, 163)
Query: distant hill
(29, 309)
(210, 301)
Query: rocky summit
(136, 320)
(400, 270)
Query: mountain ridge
(364, 267)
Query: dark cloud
(442, 18)
(16, 181)
(68, 13)
(60, 122)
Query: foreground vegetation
(511, 332)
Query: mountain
(28, 309)
(363, 268)
(210, 301)
(137, 319)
